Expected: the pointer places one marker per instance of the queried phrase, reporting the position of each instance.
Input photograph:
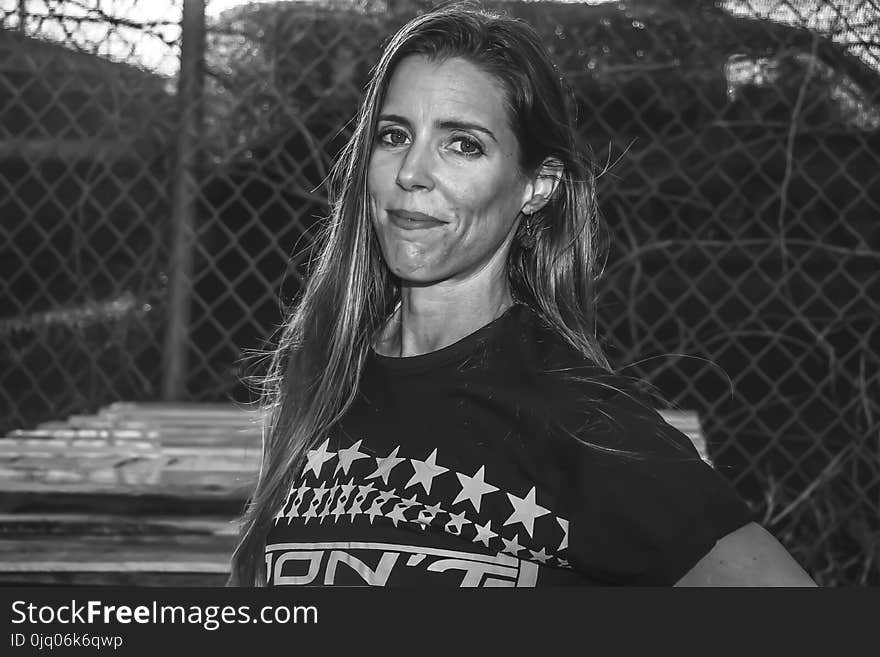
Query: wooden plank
(71, 435)
(139, 578)
(21, 524)
(172, 497)
(25, 448)
(199, 505)
(93, 553)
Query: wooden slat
(213, 484)
(164, 553)
(124, 501)
(21, 524)
(115, 578)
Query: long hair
(315, 369)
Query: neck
(430, 318)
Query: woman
(440, 410)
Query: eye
(392, 136)
(467, 146)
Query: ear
(543, 185)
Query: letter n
(376, 577)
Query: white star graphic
(411, 502)
(280, 514)
(357, 505)
(473, 488)
(456, 522)
(331, 493)
(540, 556)
(319, 493)
(381, 499)
(384, 465)
(427, 515)
(348, 456)
(317, 458)
(484, 533)
(564, 524)
(525, 511)
(396, 514)
(300, 494)
(343, 500)
(512, 547)
(294, 508)
(425, 471)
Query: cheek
(488, 207)
(381, 174)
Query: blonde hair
(315, 369)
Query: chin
(413, 267)
(415, 277)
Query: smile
(413, 220)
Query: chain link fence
(741, 191)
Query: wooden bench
(141, 494)
(137, 494)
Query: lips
(407, 220)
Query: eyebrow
(447, 124)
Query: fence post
(189, 97)
(22, 16)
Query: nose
(416, 169)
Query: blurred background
(161, 178)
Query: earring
(529, 232)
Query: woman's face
(444, 179)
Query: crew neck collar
(459, 349)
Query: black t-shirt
(467, 466)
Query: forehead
(447, 86)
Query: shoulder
(529, 342)
(575, 401)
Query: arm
(749, 556)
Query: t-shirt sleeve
(649, 517)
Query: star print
(427, 515)
(384, 496)
(402, 507)
(512, 547)
(317, 458)
(331, 494)
(385, 465)
(357, 505)
(348, 456)
(343, 499)
(411, 502)
(294, 508)
(396, 513)
(473, 488)
(484, 533)
(562, 563)
(381, 499)
(300, 494)
(564, 524)
(425, 471)
(540, 556)
(525, 511)
(455, 523)
(319, 493)
(280, 514)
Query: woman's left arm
(749, 556)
